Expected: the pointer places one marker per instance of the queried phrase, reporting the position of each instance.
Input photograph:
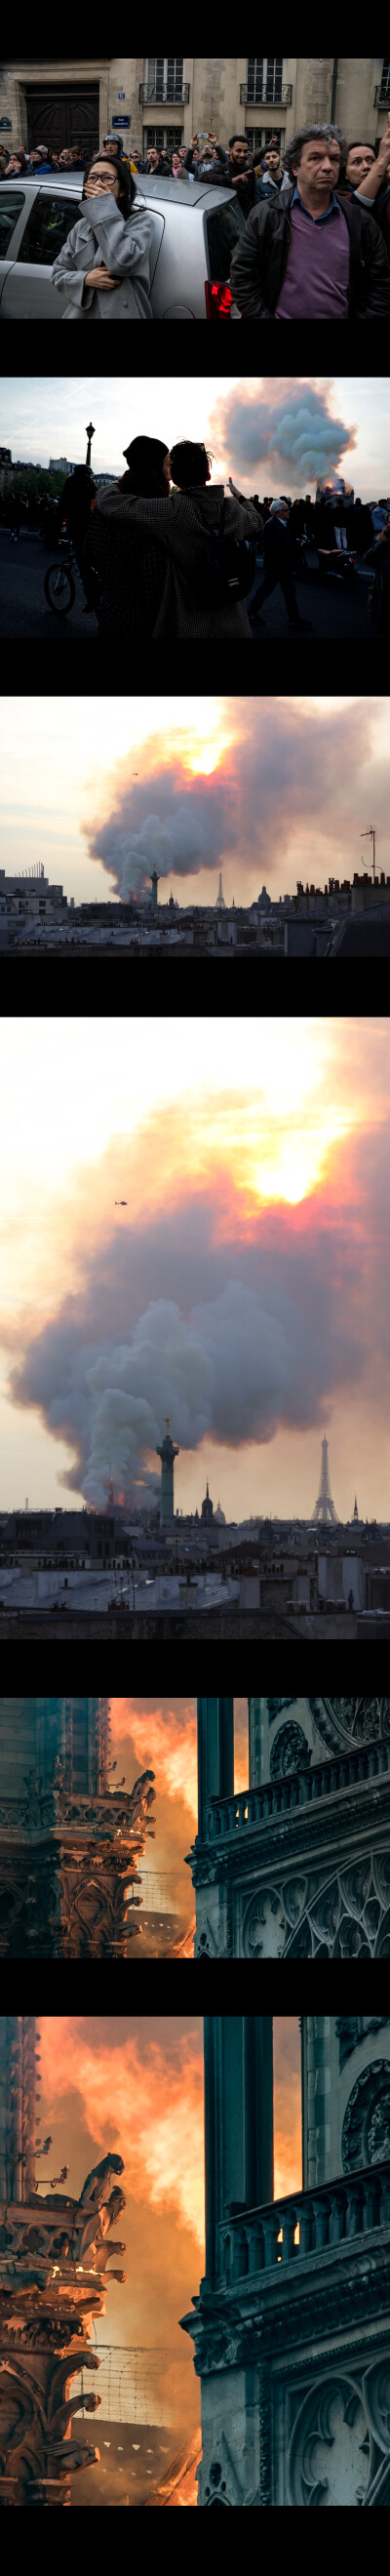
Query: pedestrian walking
(103, 268)
(311, 253)
(278, 568)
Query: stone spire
(71, 1839)
(53, 2251)
(18, 2047)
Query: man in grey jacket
(103, 268)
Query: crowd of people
(164, 551)
(314, 242)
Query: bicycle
(59, 586)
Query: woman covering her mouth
(103, 269)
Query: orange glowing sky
(135, 2083)
(236, 1288)
(160, 1735)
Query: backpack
(225, 568)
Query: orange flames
(164, 1741)
(155, 2109)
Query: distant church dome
(220, 1516)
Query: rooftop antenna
(370, 836)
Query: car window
(223, 225)
(10, 208)
(48, 224)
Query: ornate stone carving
(206, 1946)
(343, 1915)
(340, 2445)
(289, 1750)
(264, 1926)
(49, 2289)
(330, 2449)
(218, 2477)
(71, 1901)
(274, 1706)
(366, 2129)
(342, 1722)
(351, 2031)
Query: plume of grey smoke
(228, 1370)
(300, 435)
(189, 837)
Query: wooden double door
(64, 117)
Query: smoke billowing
(183, 837)
(260, 1347)
(294, 433)
(291, 776)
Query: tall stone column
(238, 2059)
(53, 2251)
(215, 1754)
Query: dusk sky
(262, 430)
(243, 1289)
(135, 2084)
(269, 791)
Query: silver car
(195, 230)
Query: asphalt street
(332, 610)
(23, 607)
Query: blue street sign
(5, 125)
(121, 93)
(121, 120)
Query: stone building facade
(292, 2324)
(166, 99)
(70, 1845)
(297, 1865)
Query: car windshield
(223, 225)
(10, 208)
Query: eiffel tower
(324, 1509)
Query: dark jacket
(260, 260)
(379, 556)
(377, 208)
(216, 173)
(277, 547)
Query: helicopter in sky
(120, 1202)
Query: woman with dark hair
(180, 528)
(130, 559)
(103, 268)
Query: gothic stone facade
(299, 1865)
(70, 1846)
(292, 2334)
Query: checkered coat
(178, 522)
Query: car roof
(190, 195)
(161, 188)
(57, 180)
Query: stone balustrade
(258, 2239)
(296, 1789)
